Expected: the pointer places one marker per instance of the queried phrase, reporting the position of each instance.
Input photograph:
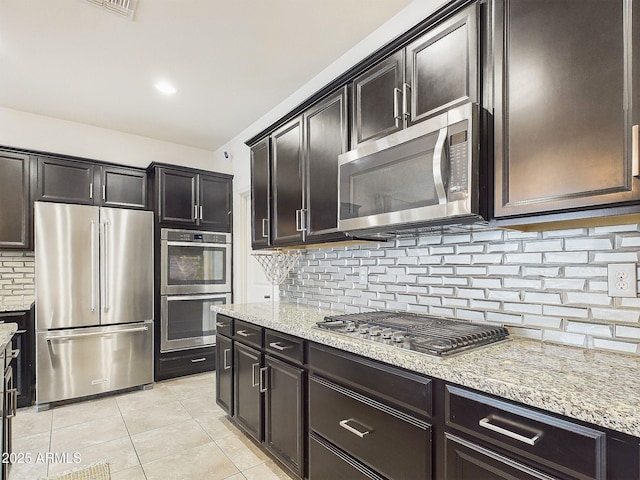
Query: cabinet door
(177, 196)
(563, 130)
(124, 187)
(442, 67)
(467, 461)
(247, 408)
(377, 98)
(224, 373)
(284, 413)
(260, 198)
(65, 181)
(287, 183)
(15, 205)
(215, 203)
(325, 137)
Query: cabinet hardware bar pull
(253, 375)
(13, 394)
(263, 379)
(195, 212)
(397, 93)
(104, 192)
(196, 360)
(277, 346)
(345, 424)
(91, 191)
(243, 333)
(486, 423)
(20, 331)
(299, 227)
(225, 361)
(200, 212)
(221, 325)
(93, 334)
(265, 223)
(406, 97)
(635, 150)
(15, 353)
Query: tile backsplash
(550, 286)
(17, 280)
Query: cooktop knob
(375, 331)
(386, 333)
(351, 327)
(363, 329)
(397, 337)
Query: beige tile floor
(173, 431)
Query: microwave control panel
(458, 166)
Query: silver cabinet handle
(635, 150)
(406, 97)
(12, 400)
(277, 346)
(225, 360)
(345, 424)
(253, 375)
(15, 353)
(91, 191)
(200, 212)
(243, 333)
(104, 192)
(397, 93)
(105, 307)
(197, 360)
(265, 223)
(93, 266)
(298, 220)
(438, 154)
(93, 334)
(195, 212)
(221, 325)
(263, 379)
(486, 423)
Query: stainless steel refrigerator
(94, 300)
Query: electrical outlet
(363, 278)
(622, 280)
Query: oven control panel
(194, 236)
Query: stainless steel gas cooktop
(435, 336)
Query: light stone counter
(7, 330)
(593, 386)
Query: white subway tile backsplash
(549, 285)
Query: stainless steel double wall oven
(195, 274)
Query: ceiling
(231, 61)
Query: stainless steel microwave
(424, 174)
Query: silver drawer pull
(345, 424)
(225, 360)
(486, 423)
(196, 360)
(277, 346)
(221, 325)
(243, 333)
(635, 150)
(15, 353)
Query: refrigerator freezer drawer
(75, 363)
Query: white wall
(37, 132)
(408, 17)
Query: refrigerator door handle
(93, 266)
(94, 334)
(105, 267)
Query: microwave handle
(439, 154)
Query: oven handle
(438, 155)
(196, 244)
(208, 296)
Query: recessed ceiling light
(165, 88)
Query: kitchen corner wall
(17, 280)
(550, 286)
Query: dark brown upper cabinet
(15, 205)
(260, 195)
(193, 198)
(299, 164)
(567, 95)
(437, 71)
(87, 183)
(286, 177)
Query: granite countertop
(15, 308)
(7, 330)
(598, 387)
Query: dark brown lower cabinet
(247, 406)
(224, 373)
(284, 412)
(327, 461)
(465, 460)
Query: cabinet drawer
(224, 325)
(284, 346)
(326, 461)
(548, 441)
(404, 389)
(390, 442)
(247, 333)
(197, 361)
